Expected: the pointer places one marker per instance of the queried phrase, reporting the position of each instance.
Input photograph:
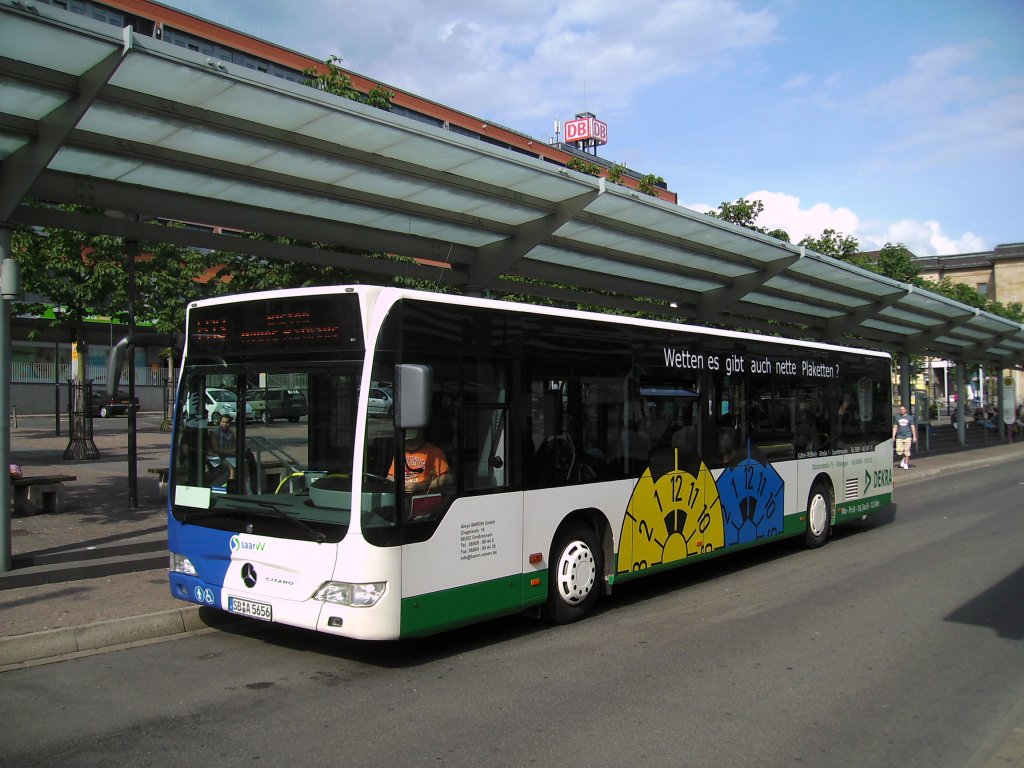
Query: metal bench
(44, 493)
(270, 473)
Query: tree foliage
(649, 184)
(241, 273)
(838, 246)
(335, 80)
(896, 261)
(743, 212)
(583, 166)
(615, 173)
(77, 276)
(167, 277)
(73, 274)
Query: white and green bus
(566, 452)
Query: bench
(43, 493)
(271, 472)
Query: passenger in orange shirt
(426, 467)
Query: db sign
(586, 128)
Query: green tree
(961, 292)
(615, 173)
(167, 277)
(1013, 311)
(649, 184)
(75, 276)
(72, 274)
(578, 164)
(778, 234)
(335, 80)
(240, 272)
(897, 262)
(744, 213)
(838, 246)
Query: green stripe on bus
(793, 525)
(450, 608)
(853, 510)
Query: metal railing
(38, 373)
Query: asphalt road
(898, 644)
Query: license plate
(250, 608)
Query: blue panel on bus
(752, 496)
(190, 588)
(209, 550)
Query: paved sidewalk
(98, 570)
(101, 560)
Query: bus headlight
(354, 595)
(181, 564)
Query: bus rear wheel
(819, 515)
(574, 573)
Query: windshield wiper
(313, 533)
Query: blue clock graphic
(751, 495)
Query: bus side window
(484, 464)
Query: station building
(998, 275)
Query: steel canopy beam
(20, 169)
(498, 258)
(717, 302)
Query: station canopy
(124, 123)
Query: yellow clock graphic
(670, 518)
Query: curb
(915, 474)
(36, 646)
(36, 575)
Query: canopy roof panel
(93, 115)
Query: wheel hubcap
(577, 572)
(818, 515)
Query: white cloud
(517, 61)
(784, 211)
(932, 84)
(923, 238)
(946, 110)
(797, 82)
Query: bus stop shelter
(120, 122)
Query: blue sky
(889, 120)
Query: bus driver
(426, 467)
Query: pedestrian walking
(904, 432)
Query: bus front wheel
(819, 515)
(574, 574)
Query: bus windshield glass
(266, 420)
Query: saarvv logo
(237, 545)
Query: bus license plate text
(250, 608)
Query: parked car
(105, 405)
(270, 404)
(381, 402)
(224, 402)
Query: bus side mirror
(413, 385)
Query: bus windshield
(267, 448)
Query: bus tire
(574, 573)
(819, 515)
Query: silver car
(381, 402)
